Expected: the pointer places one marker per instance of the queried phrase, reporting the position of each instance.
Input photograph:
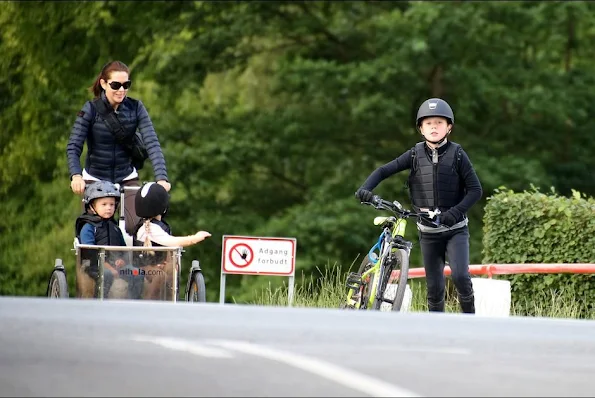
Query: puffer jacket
(106, 159)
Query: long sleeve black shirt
(473, 189)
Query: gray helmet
(100, 189)
(435, 107)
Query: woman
(106, 158)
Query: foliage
(534, 227)
(272, 114)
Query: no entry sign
(253, 255)
(258, 255)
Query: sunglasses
(117, 85)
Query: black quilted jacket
(106, 159)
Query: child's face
(104, 207)
(435, 128)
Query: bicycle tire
(380, 290)
(57, 286)
(197, 291)
(403, 261)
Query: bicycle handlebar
(398, 209)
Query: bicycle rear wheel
(363, 293)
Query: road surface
(132, 348)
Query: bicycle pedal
(354, 281)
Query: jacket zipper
(435, 176)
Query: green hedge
(533, 227)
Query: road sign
(258, 255)
(241, 255)
(252, 255)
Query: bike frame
(376, 272)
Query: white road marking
(349, 378)
(431, 350)
(185, 346)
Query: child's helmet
(151, 200)
(100, 189)
(435, 107)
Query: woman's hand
(164, 184)
(77, 184)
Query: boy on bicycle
(441, 176)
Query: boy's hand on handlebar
(449, 218)
(364, 195)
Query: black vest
(435, 185)
(107, 232)
(145, 258)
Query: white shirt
(157, 235)
(89, 177)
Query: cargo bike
(127, 272)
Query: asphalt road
(132, 348)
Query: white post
(290, 291)
(222, 289)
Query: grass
(328, 291)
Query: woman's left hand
(164, 184)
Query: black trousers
(435, 248)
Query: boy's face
(435, 128)
(104, 207)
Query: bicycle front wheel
(402, 257)
(397, 261)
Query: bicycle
(366, 288)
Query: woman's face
(116, 87)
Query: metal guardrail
(509, 269)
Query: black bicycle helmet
(100, 189)
(435, 107)
(151, 200)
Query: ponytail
(147, 242)
(96, 88)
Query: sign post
(250, 255)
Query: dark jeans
(435, 247)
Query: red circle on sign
(244, 251)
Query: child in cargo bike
(151, 203)
(97, 226)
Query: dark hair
(105, 74)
